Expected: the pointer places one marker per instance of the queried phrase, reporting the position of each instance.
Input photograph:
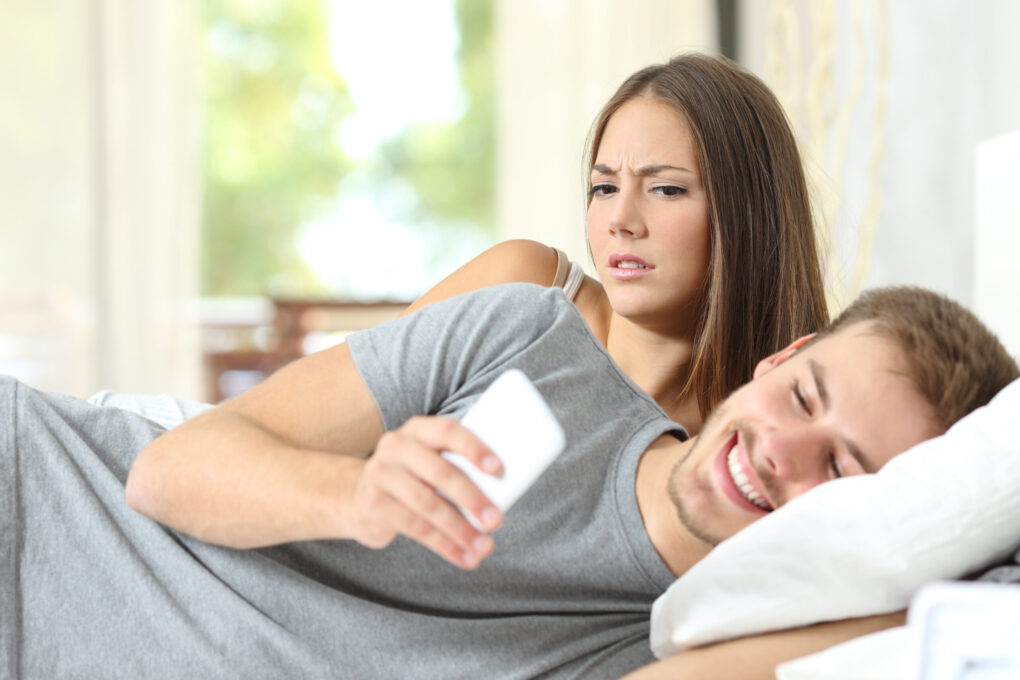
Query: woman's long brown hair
(765, 286)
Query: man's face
(841, 406)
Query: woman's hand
(408, 488)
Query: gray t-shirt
(89, 588)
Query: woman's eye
(670, 191)
(602, 190)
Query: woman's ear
(770, 362)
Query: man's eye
(670, 191)
(837, 472)
(602, 190)
(800, 398)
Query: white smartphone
(513, 419)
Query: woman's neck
(657, 360)
(659, 363)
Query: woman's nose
(626, 219)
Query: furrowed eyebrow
(642, 172)
(654, 169)
(818, 375)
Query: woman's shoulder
(535, 262)
(551, 267)
(523, 261)
(519, 260)
(513, 261)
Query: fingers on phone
(446, 434)
(440, 434)
(416, 479)
(456, 486)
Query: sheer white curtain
(891, 99)
(559, 61)
(99, 183)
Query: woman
(700, 229)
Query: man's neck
(677, 547)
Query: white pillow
(860, 545)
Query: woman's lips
(624, 266)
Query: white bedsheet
(161, 409)
(886, 655)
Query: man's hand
(405, 486)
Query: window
(349, 146)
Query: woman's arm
(756, 657)
(517, 260)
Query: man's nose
(626, 219)
(794, 454)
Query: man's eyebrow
(858, 455)
(641, 172)
(818, 375)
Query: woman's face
(648, 224)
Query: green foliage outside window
(452, 165)
(274, 107)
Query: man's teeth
(627, 264)
(743, 483)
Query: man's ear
(770, 362)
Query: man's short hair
(954, 360)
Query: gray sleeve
(416, 365)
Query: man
(561, 588)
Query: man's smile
(738, 479)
